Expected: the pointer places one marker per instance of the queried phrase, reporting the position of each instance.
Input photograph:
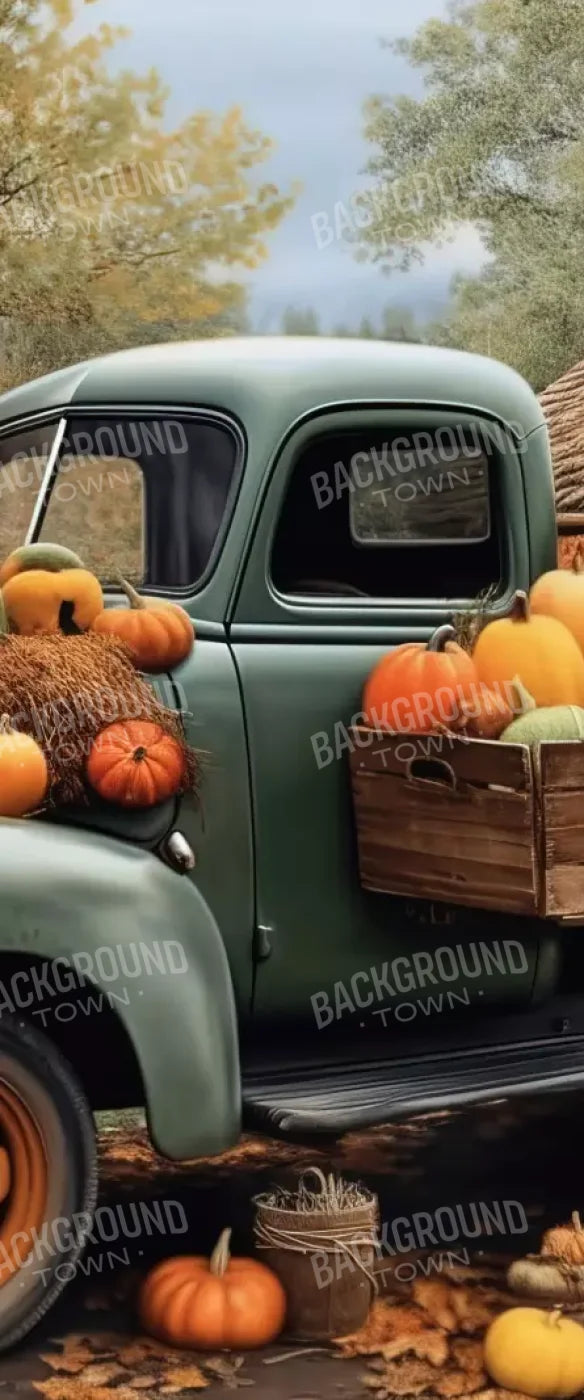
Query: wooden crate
(471, 822)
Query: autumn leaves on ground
(424, 1334)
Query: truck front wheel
(48, 1176)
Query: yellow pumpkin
(538, 1353)
(538, 651)
(24, 775)
(33, 599)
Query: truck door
(376, 525)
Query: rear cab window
(394, 514)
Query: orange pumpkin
(539, 651)
(213, 1303)
(485, 713)
(34, 598)
(159, 634)
(24, 775)
(560, 594)
(135, 764)
(416, 687)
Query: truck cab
(312, 503)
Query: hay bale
(65, 690)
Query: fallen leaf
(227, 1369)
(468, 1354)
(455, 1383)
(435, 1297)
(472, 1314)
(142, 1382)
(72, 1361)
(60, 1388)
(224, 1365)
(184, 1378)
(385, 1324)
(429, 1345)
(73, 1340)
(101, 1373)
(494, 1393)
(141, 1349)
(408, 1377)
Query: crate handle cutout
(431, 770)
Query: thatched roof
(563, 406)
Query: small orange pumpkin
(159, 634)
(415, 687)
(486, 712)
(135, 764)
(539, 651)
(24, 774)
(560, 594)
(213, 1303)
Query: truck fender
(142, 934)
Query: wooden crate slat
(562, 765)
(506, 894)
(479, 761)
(564, 890)
(390, 796)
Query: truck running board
(338, 1098)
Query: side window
(145, 497)
(408, 515)
(23, 461)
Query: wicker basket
(324, 1259)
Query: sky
(301, 70)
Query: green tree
(113, 227)
(399, 323)
(496, 141)
(298, 321)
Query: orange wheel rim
(24, 1176)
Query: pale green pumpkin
(550, 722)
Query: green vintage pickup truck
(311, 503)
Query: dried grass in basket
(322, 1245)
(64, 690)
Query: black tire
(34, 1070)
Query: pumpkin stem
(521, 701)
(139, 753)
(554, 1316)
(441, 636)
(519, 610)
(6, 726)
(220, 1256)
(131, 593)
(576, 1221)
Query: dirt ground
(525, 1151)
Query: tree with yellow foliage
(114, 230)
